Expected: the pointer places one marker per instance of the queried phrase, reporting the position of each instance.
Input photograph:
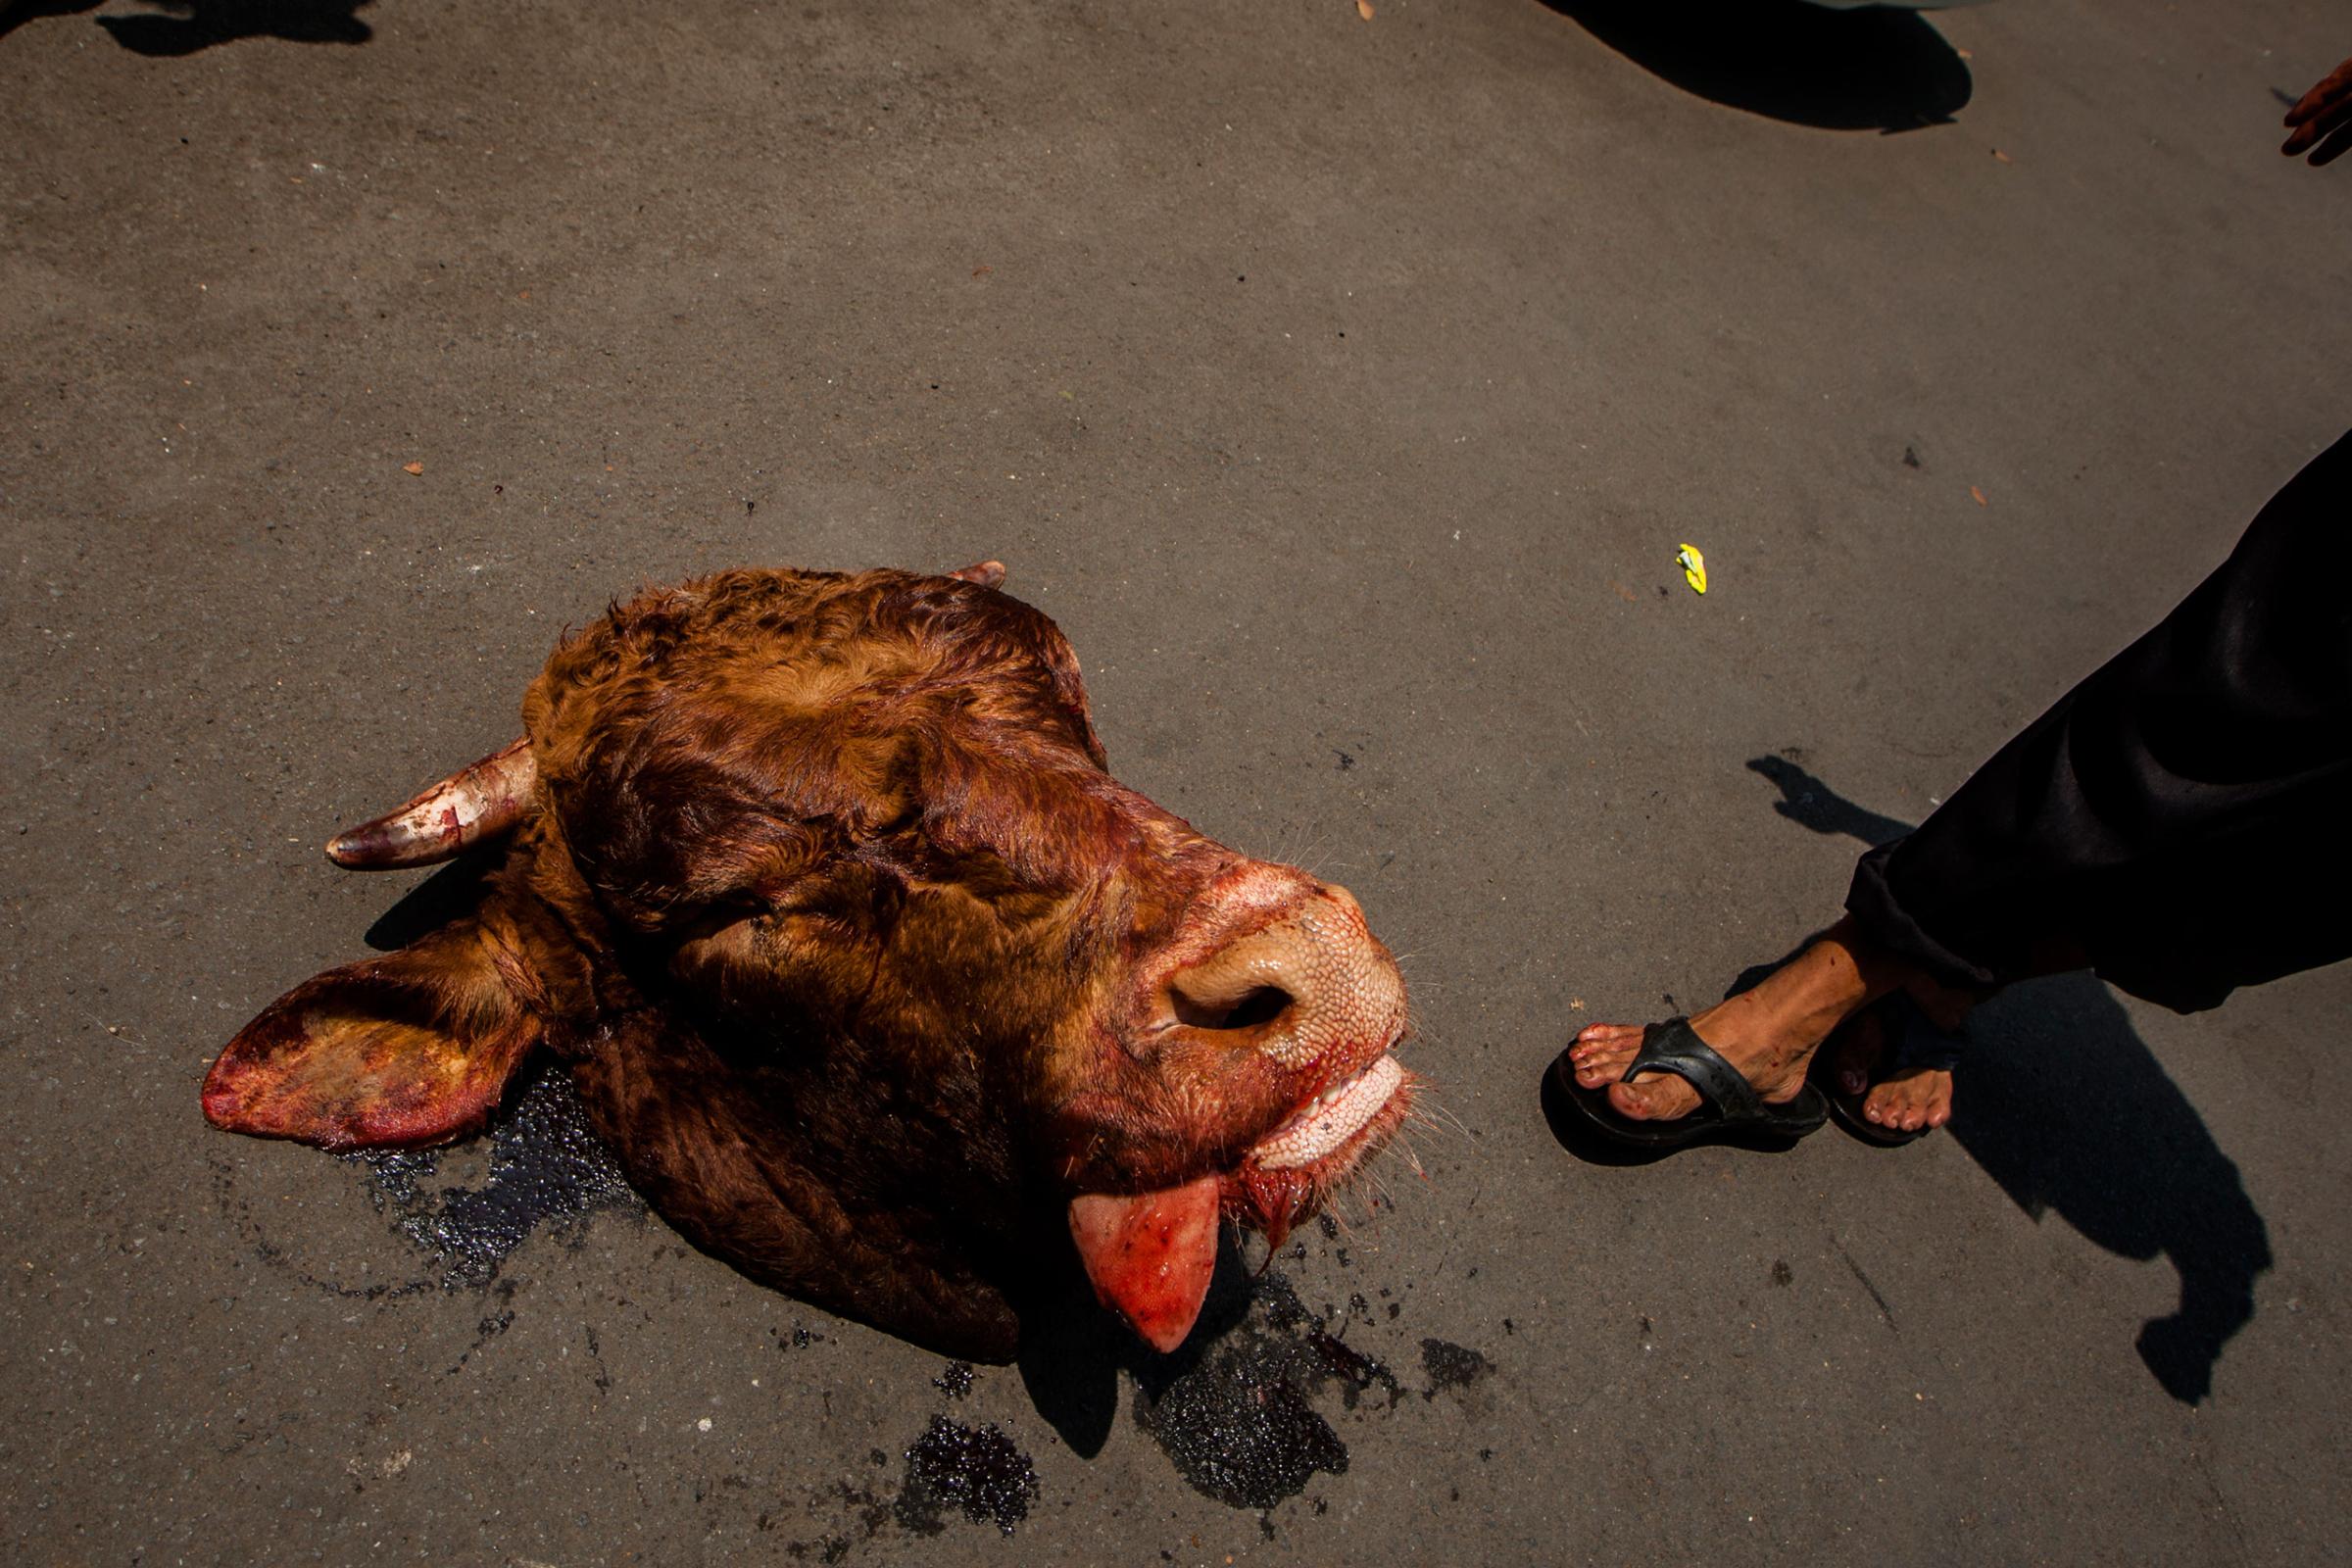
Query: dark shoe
(1731, 1111)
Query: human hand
(2322, 118)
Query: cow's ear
(413, 1048)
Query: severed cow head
(862, 964)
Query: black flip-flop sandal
(1731, 1111)
(1913, 1041)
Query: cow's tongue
(1151, 1255)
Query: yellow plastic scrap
(1695, 568)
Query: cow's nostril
(1254, 1007)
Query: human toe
(1940, 1100)
(1600, 1053)
(1889, 1106)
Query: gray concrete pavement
(1343, 389)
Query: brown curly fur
(827, 901)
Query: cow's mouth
(1327, 1124)
(1287, 1174)
(1276, 979)
(1151, 1255)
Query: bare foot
(1769, 1033)
(1909, 1097)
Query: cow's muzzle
(1312, 986)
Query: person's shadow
(1837, 69)
(2063, 1104)
(183, 27)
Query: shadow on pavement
(1072, 1350)
(1869, 70)
(452, 891)
(2060, 1101)
(184, 27)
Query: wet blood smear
(546, 1167)
(976, 1469)
(1238, 1424)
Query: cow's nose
(1292, 988)
(1246, 985)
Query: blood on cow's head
(863, 962)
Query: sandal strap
(1674, 1046)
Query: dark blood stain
(492, 1326)
(1356, 1371)
(1280, 1308)
(956, 1381)
(546, 1168)
(1451, 1366)
(871, 1513)
(1235, 1420)
(866, 1515)
(1239, 1430)
(976, 1469)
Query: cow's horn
(479, 801)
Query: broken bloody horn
(479, 801)
(986, 574)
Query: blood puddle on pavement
(544, 1168)
(976, 1469)
(1239, 1423)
